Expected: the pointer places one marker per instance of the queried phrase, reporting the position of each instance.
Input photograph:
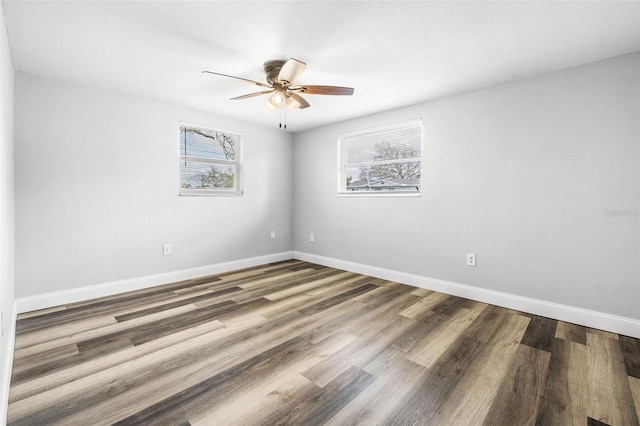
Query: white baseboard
(8, 363)
(585, 317)
(57, 298)
(588, 318)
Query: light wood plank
(634, 384)
(258, 399)
(436, 343)
(610, 399)
(278, 295)
(471, 400)
(602, 333)
(518, 398)
(257, 405)
(567, 385)
(391, 389)
(421, 292)
(424, 305)
(571, 332)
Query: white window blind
(382, 160)
(209, 161)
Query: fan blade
(291, 71)
(302, 103)
(251, 95)
(258, 83)
(324, 90)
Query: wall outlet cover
(471, 259)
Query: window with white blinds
(382, 160)
(210, 161)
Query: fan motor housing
(272, 69)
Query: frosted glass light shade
(277, 99)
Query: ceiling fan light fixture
(277, 99)
(282, 76)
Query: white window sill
(379, 194)
(210, 194)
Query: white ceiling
(393, 53)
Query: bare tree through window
(208, 160)
(382, 159)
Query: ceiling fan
(281, 79)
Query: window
(210, 161)
(383, 160)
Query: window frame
(237, 191)
(342, 190)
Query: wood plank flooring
(302, 344)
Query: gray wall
(97, 184)
(532, 176)
(7, 206)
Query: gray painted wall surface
(535, 177)
(7, 199)
(97, 184)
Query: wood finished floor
(297, 343)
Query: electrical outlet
(166, 249)
(312, 237)
(471, 259)
(273, 235)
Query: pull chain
(285, 120)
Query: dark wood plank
(594, 422)
(565, 394)
(449, 305)
(540, 333)
(631, 353)
(572, 332)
